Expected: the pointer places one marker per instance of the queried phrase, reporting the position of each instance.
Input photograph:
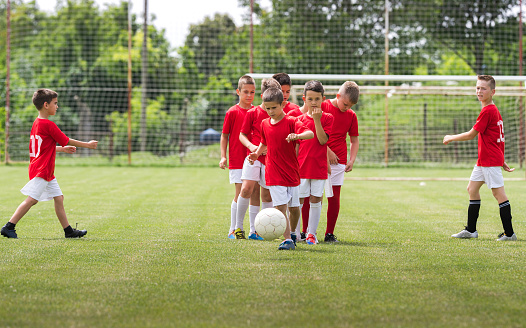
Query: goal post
(403, 123)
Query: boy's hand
(92, 144)
(316, 113)
(333, 159)
(507, 168)
(222, 163)
(69, 149)
(292, 137)
(252, 157)
(447, 139)
(253, 148)
(348, 167)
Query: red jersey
(234, 118)
(282, 167)
(252, 127)
(295, 112)
(344, 123)
(290, 106)
(491, 137)
(43, 140)
(312, 156)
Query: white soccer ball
(270, 223)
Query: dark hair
(273, 95)
(282, 78)
(42, 96)
(315, 86)
(489, 79)
(245, 79)
(351, 90)
(269, 83)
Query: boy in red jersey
(345, 123)
(282, 168)
(234, 117)
(312, 155)
(43, 185)
(490, 130)
(253, 173)
(284, 80)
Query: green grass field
(156, 255)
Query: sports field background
(156, 255)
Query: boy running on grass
(490, 130)
(246, 90)
(43, 185)
(312, 155)
(278, 133)
(253, 174)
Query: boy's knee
(59, 198)
(31, 201)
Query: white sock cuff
(315, 205)
(243, 201)
(265, 205)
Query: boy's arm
(507, 168)
(307, 134)
(224, 144)
(333, 159)
(66, 149)
(320, 132)
(353, 151)
(244, 140)
(92, 144)
(460, 137)
(252, 157)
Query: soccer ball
(270, 223)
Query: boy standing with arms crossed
(312, 155)
(278, 134)
(490, 130)
(43, 185)
(246, 90)
(253, 174)
(345, 123)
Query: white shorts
(235, 176)
(312, 187)
(254, 172)
(42, 190)
(285, 195)
(491, 175)
(337, 174)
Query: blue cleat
(287, 244)
(231, 235)
(255, 236)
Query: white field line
(418, 179)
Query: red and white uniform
(312, 156)
(44, 137)
(344, 123)
(282, 167)
(490, 127)
(252, 127)
(234, 118)
(295, 112)
(289, 107)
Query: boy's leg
(22, 209)
(266, 199)
(69, 232)
(254, 206)
(305, 215)
(314, 216)
(505, 210)
(283, 209)
(243, 201)
(333, 209)
(474, 204)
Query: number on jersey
(34, 145)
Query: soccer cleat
(8, 233)
(286, 245)
(231, 235)
(255, 236)
(240, 234)
(466, 234)
(330, 238)
(293, 237)
(302, 236)
(503, 237)
(76, 233)
(311, 239)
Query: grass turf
(156, 255)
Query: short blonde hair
(269, 83)
(244, 80)
(351, 90)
